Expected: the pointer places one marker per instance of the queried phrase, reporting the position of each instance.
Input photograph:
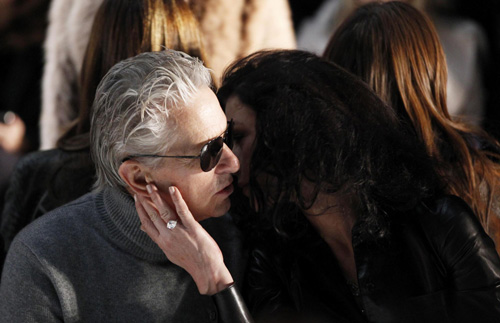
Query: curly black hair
(318, 123)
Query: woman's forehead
(239, 111)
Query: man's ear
(136, 176)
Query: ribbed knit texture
(118, 213)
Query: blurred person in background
(486, 13)
(464, 42)
(230, 29)
(395, 49)
(22, 30)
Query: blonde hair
(125, 28)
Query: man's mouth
(228, 189)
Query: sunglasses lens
(210, 154)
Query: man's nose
(228, 162)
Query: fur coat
(231, 29)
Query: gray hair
(132, 109)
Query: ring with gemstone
(171, 224)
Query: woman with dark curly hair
(396, 50)
(350, 223)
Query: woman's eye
(237, 137)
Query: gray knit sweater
(88, 261)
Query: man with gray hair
(157, 127)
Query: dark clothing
(42, 181)
(88, 261)
(436, 265)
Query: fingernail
(135, 197)
(150, 190)
(171, 189)
(142, 229)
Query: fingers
(156, 212)
(181, 207)
(165, 212)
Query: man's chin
(223, 208)
(219, 211)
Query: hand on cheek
(187, 244)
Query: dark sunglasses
(210, 152)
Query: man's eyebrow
(217, 136)
(201, 144)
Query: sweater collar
(117, 210)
